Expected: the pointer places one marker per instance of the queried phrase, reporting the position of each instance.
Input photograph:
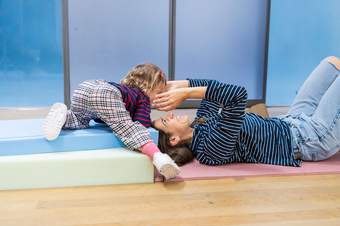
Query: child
(124, 107)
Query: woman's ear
(174, 140)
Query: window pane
(298, 43)
(31, 69)
(223, 40)
(107, 38)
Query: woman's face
(172, 124)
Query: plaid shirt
(99, 99)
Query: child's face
(158, 89)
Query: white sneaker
(165, 165)
(54, 121)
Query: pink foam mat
(196, 171)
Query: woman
(223, 133)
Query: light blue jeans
(315, 113)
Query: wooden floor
(288, 200)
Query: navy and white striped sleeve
(220, 142)
(232, 98)
(199, 82)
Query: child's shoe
(165, 165)
(54, 121)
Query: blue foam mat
(20, 137)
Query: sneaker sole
(50, 121)
(169, 171)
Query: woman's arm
(180, 90)
(171, 99)
(227, 95)
(177, 84)
(218, 146)
(199, 82)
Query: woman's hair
(145, 77)
(180, 153)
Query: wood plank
(280, 200)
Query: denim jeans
(315, 113)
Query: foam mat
(19, 137)
(81, 168)
(197, 171)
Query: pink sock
(150, 149)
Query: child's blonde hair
(145, 77)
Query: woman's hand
(169, 100)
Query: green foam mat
(81, 168)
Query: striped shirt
(136, 103)
(230, 135)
